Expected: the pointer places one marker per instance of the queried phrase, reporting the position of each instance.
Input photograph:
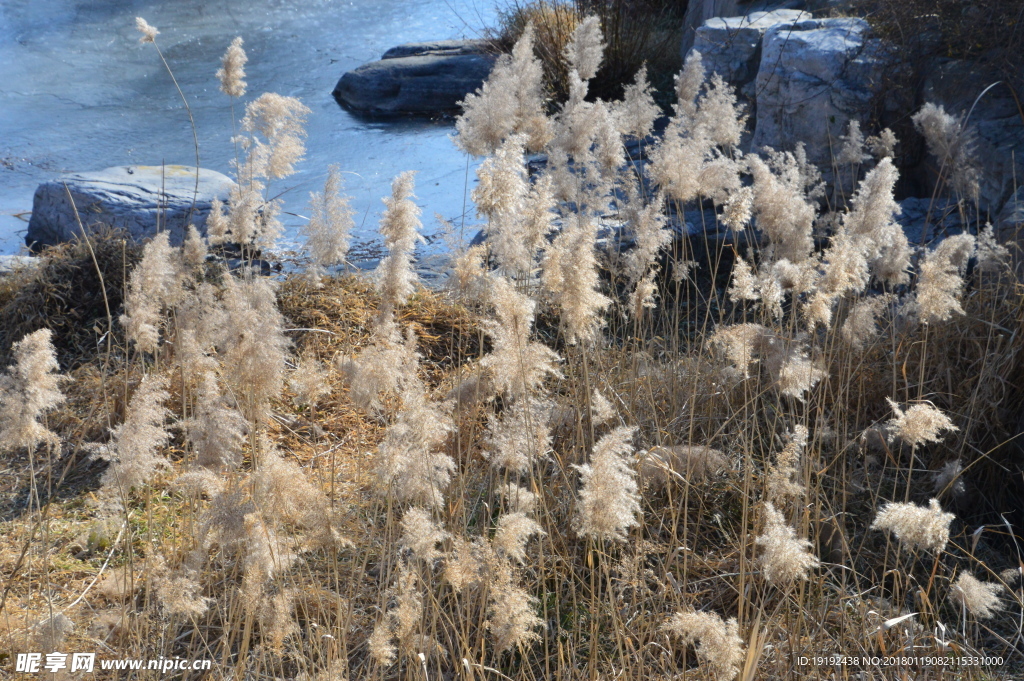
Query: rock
(996, 121)
(1010, 222)
(11, 264)
(926, 221)
(419, 78)
(137, 199)
(814, 77)
(699, 11)
(731, 46)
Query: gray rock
(699, 11)
(139, 199)
(731, 46)
(419, 78)
(1010, 222)
(10, 264)
(926, 221)
(814, 77)
(995, 120)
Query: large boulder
(419, 78)
(139, 199)
(731, 46)
(699, 11)
(814, 77)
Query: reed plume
(28, 389)
(408, 463)
(952, 143)
(399, 226)
(979, 598)
(609, 502)
(255, 347)
(784, 558)
(328, 229)
(517, 364)
(134, 444)
(510, 101)
(232, 69)
(154, 285)
(719, 645)
(916, 527)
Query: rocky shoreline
(803, 80)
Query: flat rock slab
(418, 78)
(141, 200)
(10, 264)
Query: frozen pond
(78, 92)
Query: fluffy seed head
(719, 645)
(940, 281)
(585, 49)
(387, 365)
(883, 145)
(327, 232)
(511, 100)
(232, 69)
(153, 285)
(132, 450)
(520, 437)
(309, 381)
(741, 344)
(28, 389)
(517, 364)
(784, 558)
(180, 593)
(512, 533)
(281, 120)
(408, 463)
(852, 150)
(662, 466)
(609, 502)
(421, 535)
(688, 83)
(637, 111)
(981, 599)
(149, 33)
(510, 609)
(860, 328)
(518, 498)
(744, 283)
(193, 250)
(781, 207)
(255, 347)
(216, 431)
(916, 527)
(951, 142)
(217, 224)
(919, 424)
(570, 275)
(872, 228)
(399, 226)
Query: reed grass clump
(686, 457)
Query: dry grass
(65, 295)
(637, 33)
(310, 558)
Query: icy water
(78, 92)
